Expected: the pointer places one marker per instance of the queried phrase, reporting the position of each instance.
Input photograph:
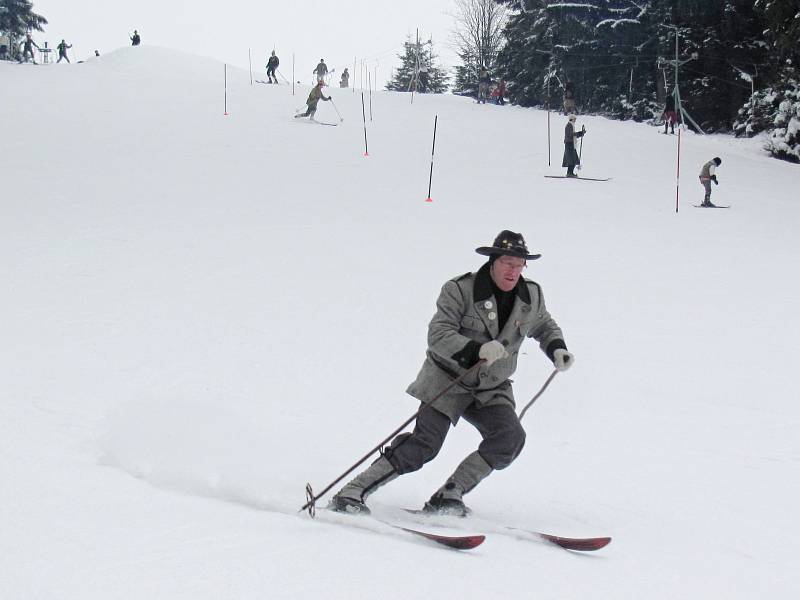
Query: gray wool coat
(466, 311)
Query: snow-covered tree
(17, 18)
(419, 71)
(477, 38)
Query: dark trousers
(271, 74)
(499, 426)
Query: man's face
(506, 271)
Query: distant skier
(707, 175)
(313, 99)
(345, 80)
(272, 65)
(571, 159)
(321, 70)
(27, 49)
(569, 98)
(669, 115)
(499, 92)
(135, 39)
(483, 85)
(62, 51)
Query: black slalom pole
(580, 151)
(433, 149)
(548, 131)
(364, 116)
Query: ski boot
(351, 498)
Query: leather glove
(714, 179)
(563, 359)
(492, 351)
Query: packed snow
(203, 312)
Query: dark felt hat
(508, 243)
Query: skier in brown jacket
(313, 99)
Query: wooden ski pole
(312, 499)
(539, 393)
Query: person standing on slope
(321, 70)
(670, 117)
(313, 99)
(480, 317)
(571, 159)
(62, 51)
(272, 64)
(345, 80)
(135, 39)
(27, 49)
(707, 175)
(483, 85)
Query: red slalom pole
(678, 175)
(433, 149)
(364, 116)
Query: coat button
(483, 375)
(487, 304)
(492, 316)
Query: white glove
(492, 351)
(563, 359)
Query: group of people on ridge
(497, 94)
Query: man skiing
(321, 70)
(62, 51)
(135, 39)
(272, 64)
(313, 99)
(27, 49)
(481, 319)
(345, 80)
(571, 159)
(707, 175)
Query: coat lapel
(485, 303)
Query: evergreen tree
(17, 18)
(419, 70)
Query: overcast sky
(337, 31)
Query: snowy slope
(204, 312)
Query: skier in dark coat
(481, 319)
(62, 51)
(272, 64)
(313, 99)
(670, 118)
(321, 70)
(571, 159)
(27, 49)
(135, 39)
(707, 175)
